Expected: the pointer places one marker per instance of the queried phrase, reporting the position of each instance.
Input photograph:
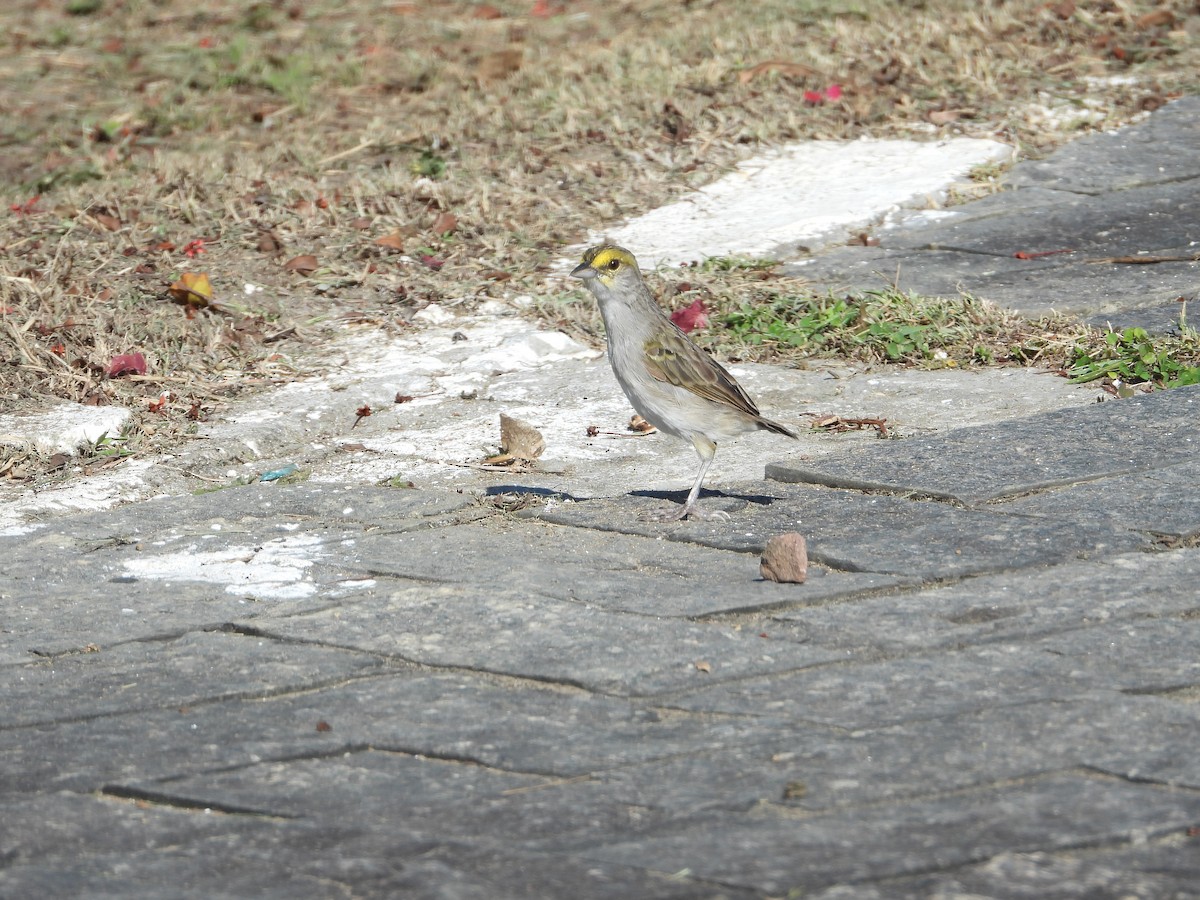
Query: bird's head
(606, 265)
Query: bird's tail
(768, 425)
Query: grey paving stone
(635, 573)
(308, 501)
(1162, 500)
(1126, 158)
(519, 726)
(1122, 223)
(442, 800)
(973, 465)
(292, 861)
(1165, 870)
(850, 531)
(1131, 656)
(517, 632)
(1105, 195)
(148, 675)
(1122, 295)
(777, 851)
(1011, 606)
(231, 553)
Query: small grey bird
(672, 383)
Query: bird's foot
(693, 512)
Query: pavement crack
(158, 798)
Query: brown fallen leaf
(107, 221)
(445, 223)
(1154, 18)
(269, 242)
(702, 666)
(192, 288)
(519, 439)
(795, 70)
(1063, 9)
(393, 241)
(640, 425)
(498, 65)
(302, 265)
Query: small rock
(785, 559)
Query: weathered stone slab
(634, 573)
(1148, 656)
(1109, 161)
(854, 532)
(520, 633)
(1011, 606)
(1098, 292)
(1165, 869)
(1163, 501)
(777, 851)
(148, 675)
(1105, 195)
(504, 723)
(973, 465)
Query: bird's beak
(584, 271)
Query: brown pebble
(785, 559)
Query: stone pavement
(988, 687)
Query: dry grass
(275, 130)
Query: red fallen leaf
(58, 349)
(24, 209)
(362, 412)
(322, 203)
(192, 249)
(195, 413)
(303, 265)
(157, 406)
(165, 246)
(324, 726)
(691, 317)
(445, 223)
(542, 9)
(832, 93)
(205, 43)
(432, 261)
(127, 364)
(403, 398)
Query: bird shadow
(681, 496)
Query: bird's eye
(614, 264)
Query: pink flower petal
(127, 364)
(691, 317)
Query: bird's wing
(683, 364)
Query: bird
(670, 382)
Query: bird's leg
(706, 450)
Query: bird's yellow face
(606, 264)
